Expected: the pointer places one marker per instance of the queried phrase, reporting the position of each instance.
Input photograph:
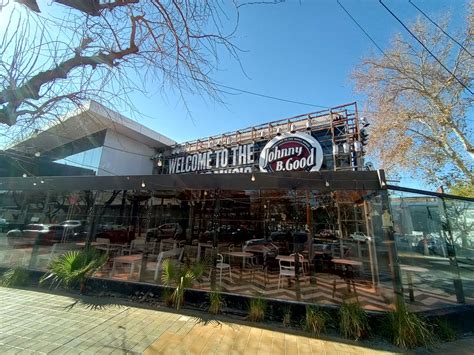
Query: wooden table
(202, 245)
(92, 244)
(347, 262)
(348, 277)
(410, 269)
(240, 254)
(128, 259)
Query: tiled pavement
(43, 323)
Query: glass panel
(89, 159)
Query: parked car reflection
(43, 234)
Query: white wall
(122, 155)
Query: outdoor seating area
(305, 246)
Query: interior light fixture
(345, 147)
(37, 154)
(34, 184)
(252, 178)
(42, 181)
(24, 175)
(327, 184)
(364, 122)
(143, 184)
(357, 146)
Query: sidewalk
(43, 323)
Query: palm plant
(181, 277)
(16, 276)
(74, 268)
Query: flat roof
(86, 121)
(337, 180)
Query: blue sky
(302, 50)
(297, 50)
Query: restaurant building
(287, 210)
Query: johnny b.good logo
(291, 152)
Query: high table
(202, 245)
(410, 269)
(128, 259)
(347, 263)
(240, 254)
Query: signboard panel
(291, 152)
(287, 152)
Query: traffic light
(364, 137)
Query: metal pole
(369, 244)
(389, 240)
(457, 281)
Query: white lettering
(172, 168)
(188, 163)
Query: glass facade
(246, 239)
(89, 159)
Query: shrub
(287, 317)
(74, 268)
(257, 308)
(216, 302)
(315, 320)
(408, 330)
(353, 321)
(16, 276)
(443, 330)
(167, 297)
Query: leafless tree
(103, 50)
(420, 112)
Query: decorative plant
(408, 330)
(167, 297)
(353, 320)
(257, 308)
(74, 268)
(287, 317)
(216, 302)
(444, 330)
(315, 320)
(181, 277)
(16, 276)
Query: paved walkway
(43, 323)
